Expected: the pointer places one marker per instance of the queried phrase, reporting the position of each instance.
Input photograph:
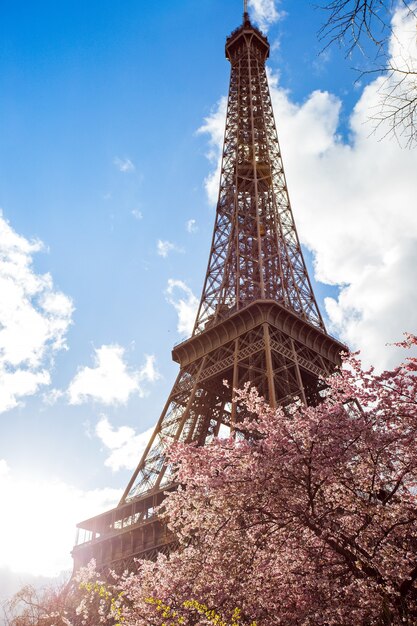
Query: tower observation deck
(257, 322)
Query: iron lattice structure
(258, 320)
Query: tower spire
(258, 322)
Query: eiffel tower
(257, 322)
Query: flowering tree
(36, 607)
(310, 519)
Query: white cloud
(214, 126)
(354, 204)
(148, 372)
(40, 543)
(126, 447)
(191, 226)
(185, 303)
(163, 248)
(111, 380)
(138, 215)
(51, 396)
(124, 165)
(265, 12)
(34, 319)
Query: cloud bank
(34, 319)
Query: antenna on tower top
(245, 9)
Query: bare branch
(351, 23)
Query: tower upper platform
(247, 34)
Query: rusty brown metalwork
(258, 320)
(255, 251)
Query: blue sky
(101, 158)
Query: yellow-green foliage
(209, 614)
(170, 617)
(101, 591)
